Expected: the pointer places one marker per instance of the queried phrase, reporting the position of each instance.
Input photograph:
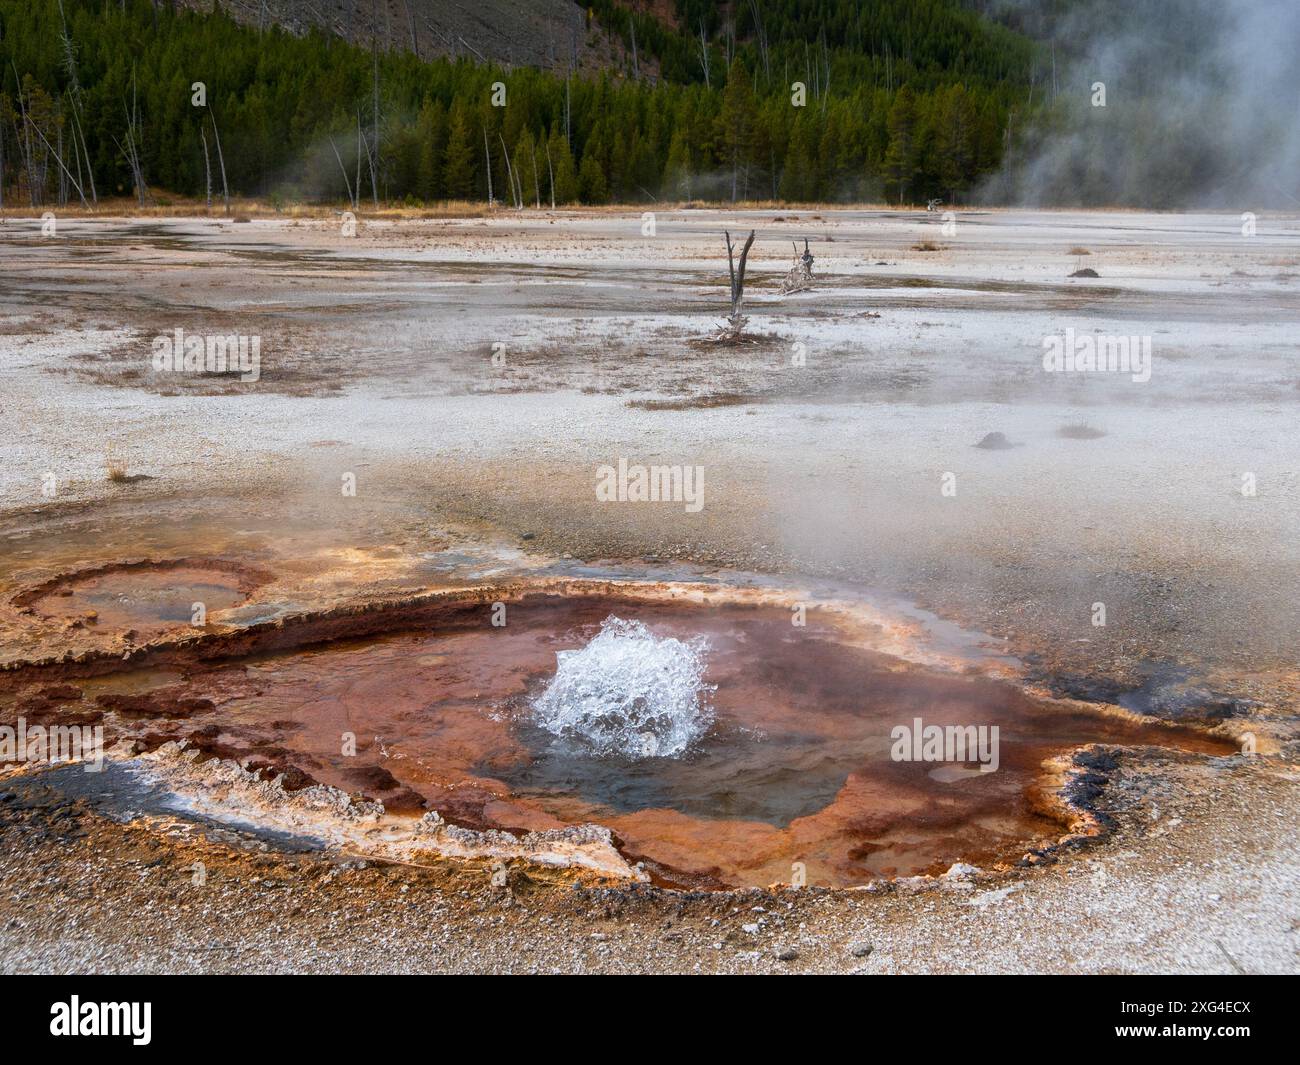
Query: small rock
(860, 950)
(995, 442)
(786, 954)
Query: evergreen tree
(592, 187)
(526, 167)
(677, 172)
(433, 149)
(459, 170)
(901, 158)
(797, 178)
(737, 126)
(566, 174)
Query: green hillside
(903, 99)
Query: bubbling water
(628, 693)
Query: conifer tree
(459, 168)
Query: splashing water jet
(629, 693)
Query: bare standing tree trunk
(74, 97)
(760, 35)
(488, 152)
(134, 142)
(24, 141)
(826, 62)
(374, 47)
(207, 167)
(357, 186)
(76, 155)
(372, 161)
(510, 173)
(221, 159)
(58, 158)
(551, 171)
(800, 275)
(410, 22)
(736, 321)
(704, 55)
(352, 202)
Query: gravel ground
(1199, 876)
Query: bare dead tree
(58, 158)
(537, 187)
(352, 200)
(207, 167)
(410, 22)
(374, 49)
(134, 141)
(372, 162)
(76, 151)
(761, 36)
(58, 154)
(23, 137)
(551, 171)
(128, 153)
(734, 331)
(22, 157)
(800, 275)
(74, 99)
(704, 55)
(636, 66)
(510, 173)
(826, 63)
(357, 186)
(481, 56)
(447, 39)
(578, 25)
(221, 160)
(488, 152)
